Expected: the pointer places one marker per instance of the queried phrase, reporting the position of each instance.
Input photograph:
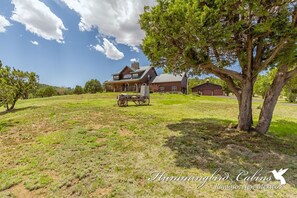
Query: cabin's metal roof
(163, 78)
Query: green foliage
(262, 85)
(181, 34)
(93, 86)
(15, 84)
(290, 90)
(47, 91)
(291, 97)
(264, 82)
(78, 90)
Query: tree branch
(212, 68)
(249, 56)
(294, 17)
(292, 73)
(238, 49)
(273, 55)
(216, 53)
(230, 82)
(259, 53)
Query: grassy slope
(86, 146)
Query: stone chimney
(135, 65)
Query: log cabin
(130, 79)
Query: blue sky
(67, 42)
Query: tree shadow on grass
(132, 105)
(18, 110)
(205, 144)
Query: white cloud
(34, 42)
(38, 19)
(134, 48)
(109, 50)
(99, 48)
(3, 23)
(116, 18)
(134, 60)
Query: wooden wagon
(142, 99)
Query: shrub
(78, 90)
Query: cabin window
(127, 76)
(162, 88)
(135, 75)
(174, 88)
(116, 77)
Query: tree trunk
(245, 118)
(13, 104)
(269, 103)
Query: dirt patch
(53, 174)
(100, 140)
(125, 132)
(94, 126)
(19, 190)
(101, 192)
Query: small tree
(226, 89)
(93, 86)
(78, 90)
(47, 91)
(14, 84)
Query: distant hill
(59, 90)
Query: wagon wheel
(146, 101)
(122, 102)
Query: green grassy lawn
(85, 146)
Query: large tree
(215, 36)
(15, 84)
